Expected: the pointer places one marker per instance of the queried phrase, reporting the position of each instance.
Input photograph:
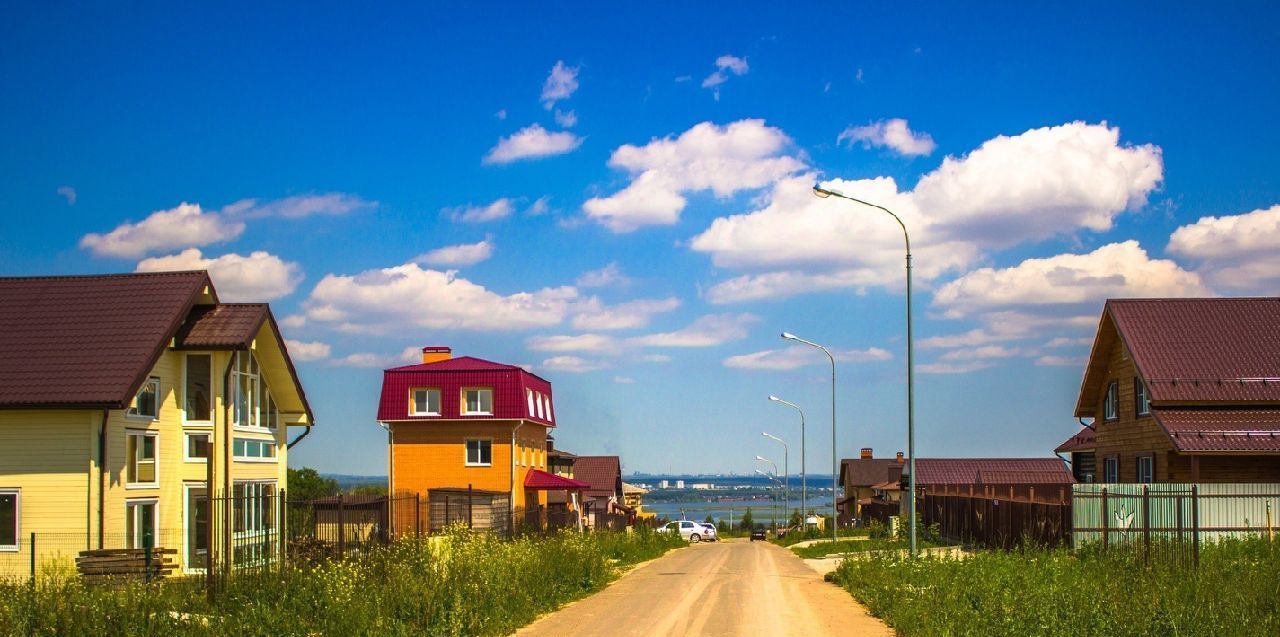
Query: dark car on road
(758, 534)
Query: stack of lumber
(125, 564)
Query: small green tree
(748, 522)
(796, 519)
(307, 484)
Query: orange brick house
(459, 424)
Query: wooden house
(1183, 390)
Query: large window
(253, 450)
(197, 397)
(1111, 403)
(196, 448)
(1142, 404)
(140, 523)
(479, 453)
(147, 403)
(476, 400)
(10, 515)
(197, 528)
(424, 402)
(140, 453)
(1146, 469)
(252, 404)
(1111, 469)
(253, 512)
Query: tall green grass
(465, 584)
(1235, 591)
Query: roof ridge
(56, 277)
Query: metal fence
(997, 523)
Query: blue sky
(623, 193)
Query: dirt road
(716, 590)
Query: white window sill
(477, 413)
(198, 424)
(479, 464)
(257, 430)
(424, 413)
(196, 460)
(9, 549)
(141, 418)
(142, 485)
(257, 460)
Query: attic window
(1142, 402)
(147, 403)
(424, 402)
(1111, 402)
(477, 401)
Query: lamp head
(789, 336)
(774, 398)
(761, 458)
(821, 192)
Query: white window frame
(1111, 469)
(186, 445)
(466, 411)
(1141, 401)
(17, 520)
(550, 418)
(272, 444)
(132, 411)
(130, 513)
(466, 452)
(541, 406)
(413, 401)
(1150, 461)
(260, 399)
(1111, 402)
(212, 397)
(187, 488)
(150, 433)
(259, 552)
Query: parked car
(758, 534)
(711, 534)
(689, 530)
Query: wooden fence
(997, 523)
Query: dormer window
(424, 402)
(147, 403)
(1142, 403)
(1111, 403)
(477, 401)
(541, 412)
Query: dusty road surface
(717, 589)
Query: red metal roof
(539, 480)
(964, 471)
(1210, 430)
(1083, 440)
(511, 390)
(88, 341)
(1196, 350)
(603, 473)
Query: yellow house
(124, 401)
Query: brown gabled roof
(864, 472)
(1222, 430)
(88, 341)
(931, 471)
(223, 326)
(1192, 350)
(603, 473)
(1083, 440)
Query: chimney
(900, 458)
(866, 453)
(436, 353)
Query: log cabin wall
(1129, 435)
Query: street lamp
(804, 486)
(786, 470)
(773, 517)
(834, 474)
(911, 368)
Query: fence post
(33, 560)
(147, 541)
(342, 529)
(282, 525)
(1106, 521)
(1178, 513)
(1146, 524)
(417, 514)
(1195, 523)
(469, 498)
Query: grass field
(1234, 591)
(468, 584)
(824, 549)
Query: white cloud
(300, 206)
(68, 193)
(471, 213)
(1063, 341)
(183, 226)
(744, 155)
(294, 321)
(258, 277)
(725, 65)
(598, 343)
(894, 134)
(362, 359)
(797, 356)
(540, 206)
(1068, 283)
(1235, 252)
(983, 352)
(560, 84)
(411, 354)
(408, 296)
(624, 380)
(707, 331)
(655, 358)
(572, 364)
(307, 351)
(1062, 361)
(531, 142)
(567, 119)
(459, 255)
(952, 368)
(971, 338)
(628, 315)
(609, 276)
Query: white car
(711, 535)
(690, 531)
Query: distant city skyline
(619, 199)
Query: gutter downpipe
(511, 502)
(308, 431)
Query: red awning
(539, 480)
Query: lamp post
(786, 471)
(804, 486)
(834, 474)
(773, 517)
(911, 368)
